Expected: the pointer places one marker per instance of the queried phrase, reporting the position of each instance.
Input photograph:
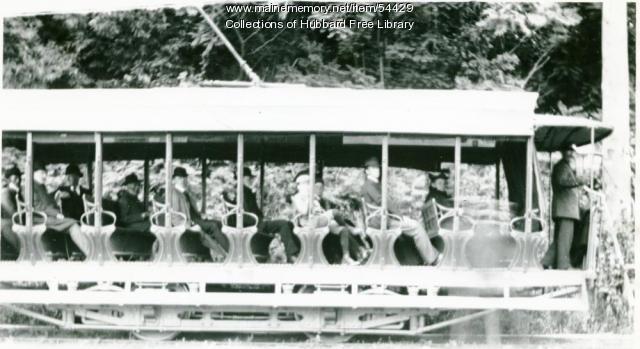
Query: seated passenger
(351, 251)
(182, 201)
(437, 189)
(132, 213)
(70, 194)
(270, 228)
(372, 194)
(56, 221)
(10, 188)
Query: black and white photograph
(314, 174)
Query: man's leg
(565, 237)
(80, 239)
(549, 259)
(427, 252)
(213, 234)
(8, 234)
(285, 230)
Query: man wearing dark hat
(70, 194)
(250, 198)
(132, 213)
(372, 194)
(565, 210)
(182, 201)
(269, 228)
(10, 190)
(45, 202)
(437, 189)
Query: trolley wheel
(155, 336)
(159, 336)
(328, 338)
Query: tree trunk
(615, 108)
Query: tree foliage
(553, 49)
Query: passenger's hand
(196, 227)
(144, 215)
(60, 195)
(60, 216)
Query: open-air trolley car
(170, 292)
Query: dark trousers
(557, 256)
(8, 235)
(212, 229)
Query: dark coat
(441, 197)
(566, 192)
(73, 207)
(250, 202)
(130, 212)
(372, 192)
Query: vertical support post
(89, 165)
(239, 182)
(312, 173)
(593, 149)
(203, 187)
(550, 195)
(97, 200)
(28, 190)
(529, 185)
(262, 184)
(457, 160)
(537, 181)
(497, 194)
(168, 168)
(146, 184)
(615, 108)
(384, 183)
(97, 191)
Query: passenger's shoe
(346, 259)
(436, 261)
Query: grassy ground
(22, 340)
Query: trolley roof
(295, 109)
